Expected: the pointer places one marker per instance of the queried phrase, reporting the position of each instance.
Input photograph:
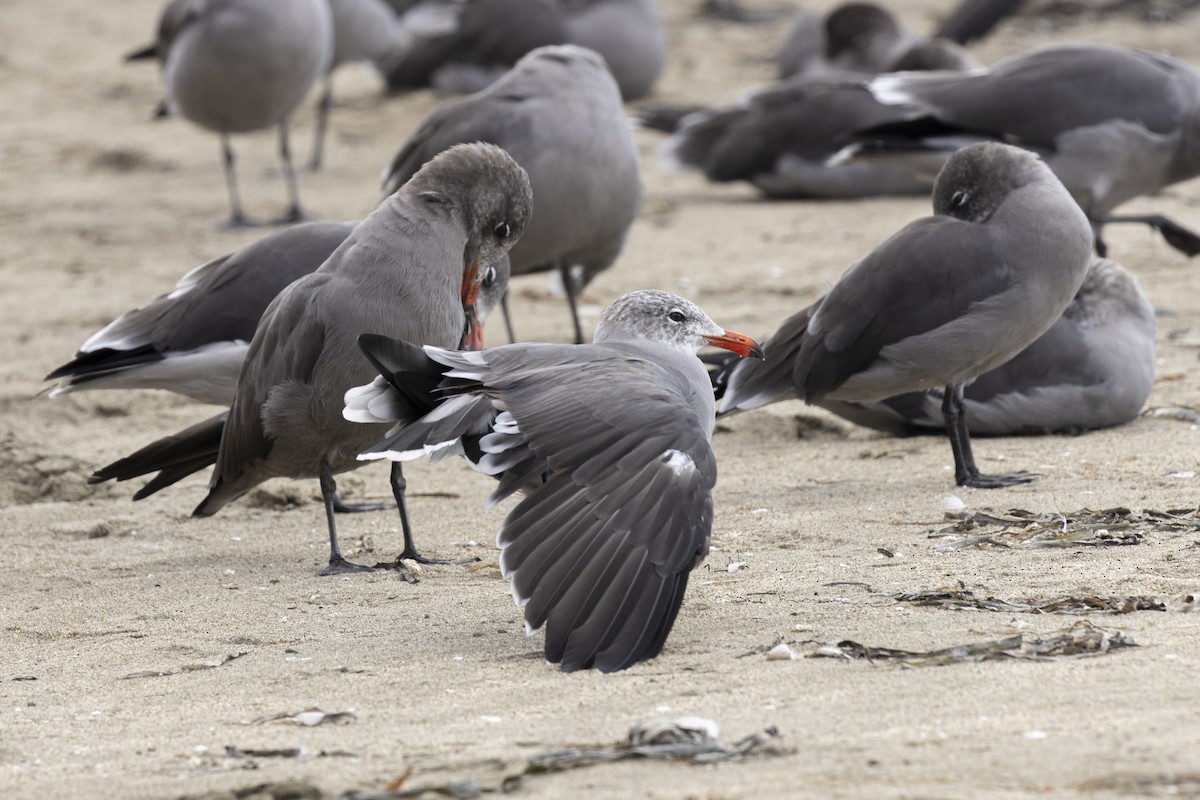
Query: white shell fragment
(781, 652)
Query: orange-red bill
(738, 343)
(472, 280)
(472, 338)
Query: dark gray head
(851, 26)
(655, 316)
(483, 187)
(977, 178)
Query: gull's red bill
(738, 343)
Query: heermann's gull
(1094, 368)
(193, 340)
(861, 39)
(472, 46)
(234, 66)
(629, 36)
(610, 439)
(559, 114)
(364, 31)
(782, 137)
(410, 269)
(951, 296)
(1112, 123)
(484, 38)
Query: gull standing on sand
(610, 439)
(235, 66)
(411, 269)
(1094, 368)
(367, 31)
(951, 296)
(559, 114)
(1112, 123)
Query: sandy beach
(149, 654)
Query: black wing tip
(142, 53)
(719, 366)
(665, 118)
(615, 651)
(93, 364)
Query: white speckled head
(651, 315)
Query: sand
(101, 209)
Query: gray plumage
(974, 19)
(782, 137)
(859, 40)
(474, 43)
(1094, 368)
(611, 441)
(558, 113)
(1112, 123)
(629, 36)
(235, 66)
(193, 340)
(952, 296)
(484, 38)
(411, 270)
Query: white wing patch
(506, 423)
(374, 402)
(668, 154)
(890, 90)
(207, 374)
(679, 462)
(407, 455)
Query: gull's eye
(502, 231)
(959, 198)
(677, 316)
(489, 277)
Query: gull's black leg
(337, 564)
(966, 473)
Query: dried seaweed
(289, 790)
(212, 663)
(299, 753)
(1081, 640)
(1169, 784)
(687, 739)
(1058, 13)
(1111, 527)
(963, 599)
(693, 740)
